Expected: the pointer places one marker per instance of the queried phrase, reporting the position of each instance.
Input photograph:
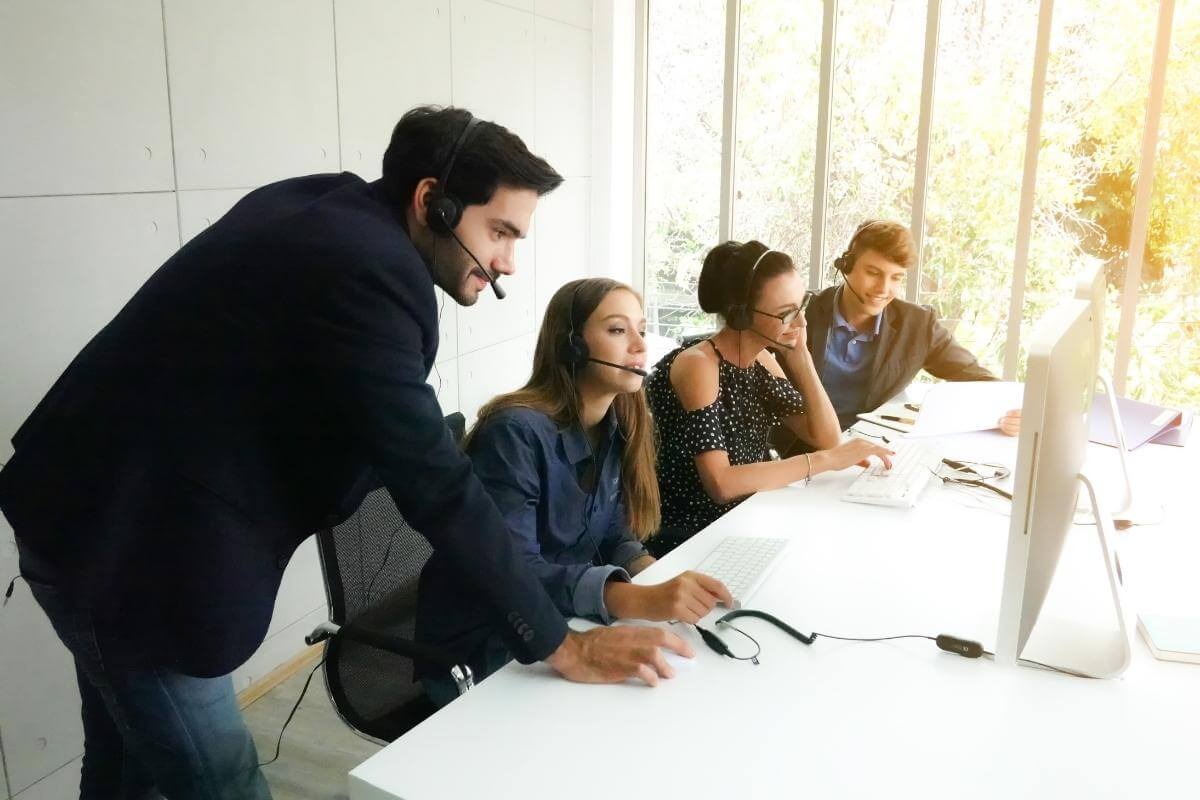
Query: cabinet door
(83, 88)
(253, 93)
(391, 56)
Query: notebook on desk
(1171, 638)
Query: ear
(419, 204)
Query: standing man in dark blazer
(244, 398)
(867, 344)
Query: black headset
(574, 349)
(739, 315)
(574, 352)
(845, 262)
(445, 210)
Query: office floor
(318, 748)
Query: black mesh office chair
(372, 562)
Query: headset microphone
(499, 292)
(446, 209)
(775, 342)
(634, 370)
(851, 288)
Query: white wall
(131, 126)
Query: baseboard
(287, 669)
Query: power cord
(8, 593)
(966, 648)
(279, 741)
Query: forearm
(640, 563)
(820, 427)
(625, 600)
(731, 483)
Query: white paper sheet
(964, 407)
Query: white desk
(841, 719)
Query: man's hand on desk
(1010, 423)
(688, 597)
(610, 655)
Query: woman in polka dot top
(715, 402)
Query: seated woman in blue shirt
(569, 460)
(715, 402)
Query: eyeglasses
(788, 317)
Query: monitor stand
(1069, 645)
(1136, 509)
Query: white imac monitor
(1059, 383)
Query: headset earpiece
(845, 262)
(444, 211)
(842, 263)
(739, 315)
(573, 352)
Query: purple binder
(1143, 422)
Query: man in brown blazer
(867, 344)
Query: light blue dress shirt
(849, 354)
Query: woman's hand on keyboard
(688, 597)
(849, 453)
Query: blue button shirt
(575, 539)
(849, 354)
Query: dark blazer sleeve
(367, 344)
(947, 359)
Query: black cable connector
(963, 647)
(714, 641)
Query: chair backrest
(372, 563)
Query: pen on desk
(901, 420)
(912, 407)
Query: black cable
(8, 593)
(1063, 670)
(878, 638)
(717, 644)
(279, 742)
(951, 644)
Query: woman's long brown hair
(551, 390)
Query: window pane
(779, 72)
(977, 148)
(876, 107)
(685, 75)
(1165, 364)
(1096, 88)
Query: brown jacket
(910, 339)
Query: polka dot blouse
(750, 402)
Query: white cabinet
(444, 380)
(253, 93)
(200, 208)
(391, 56)
(487, 373)
(493, 62)
(490, 320)
(575, 12)
(563, 252)
(83, 92)
(564, 97)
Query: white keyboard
(912, 467)
(742, 564)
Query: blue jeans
(148, 730)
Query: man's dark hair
(492, 156)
